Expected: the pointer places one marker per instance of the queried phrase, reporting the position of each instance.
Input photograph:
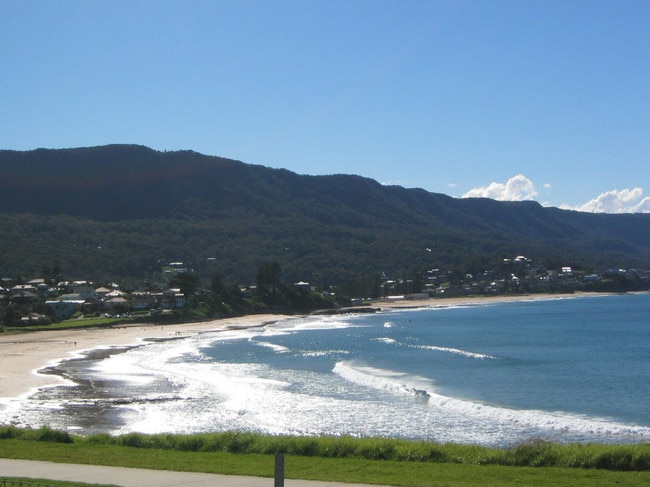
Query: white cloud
(520, 188)
(517, 188)
(616, 201)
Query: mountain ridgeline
(119, 211)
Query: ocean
(567, 370)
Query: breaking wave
(457, 351)
(273, 346)
(559, 423)
(394, 382)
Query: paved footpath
(140, 477)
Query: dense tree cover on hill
(122, 212)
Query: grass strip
(349, 470)
(29, 482)
(627, 457)
(452, 465)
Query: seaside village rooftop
(68, 298)
(39, 301)
(63, 300)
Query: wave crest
(477, 413)
(435, 348)
(381, 379)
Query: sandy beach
(22, 355)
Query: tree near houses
(269, 279)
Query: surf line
(435, 348)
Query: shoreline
(432, 303)
(22, 356)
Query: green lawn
(352, 468)
(19, 481)
(68, 325)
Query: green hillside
(122, 211)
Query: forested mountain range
(121, 211)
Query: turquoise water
(496, 374)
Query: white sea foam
(457, 351)
(558, 423)
(322, 353)
(395, 382)
(299, 352)
(313, 323)
(388, 341)
(142, 365)
(273, 346)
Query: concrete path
(139, 477)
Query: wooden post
(279, 470)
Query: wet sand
(22, 355)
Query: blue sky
(545, 100)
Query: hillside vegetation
(119, 211)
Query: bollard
(279, 470)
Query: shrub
(100, 439)
(9, 432)
(134, 440)
(48, 434)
